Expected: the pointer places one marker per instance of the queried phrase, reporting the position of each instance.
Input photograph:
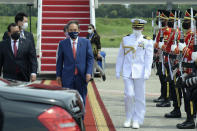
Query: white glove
(194, 56)
(182, 46)
(173, 47)
(161, 44)
(191, 81)
(117, 76)
(146, 77)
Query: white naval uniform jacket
(135, 64)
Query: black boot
(176, 113)
(188, 124)
(104, 77)
(159, 99)
(164, 104)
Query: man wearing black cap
(171, 60)
(161, 42)
(187, 49)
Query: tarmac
(112, 94)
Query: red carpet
(96, 117)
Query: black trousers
(190, 106)
(161, 79)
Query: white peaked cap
(138, 20)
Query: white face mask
(25, 26)
(90, 31)
(137, 32)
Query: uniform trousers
(162, 80)
(134, 99)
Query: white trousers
(134, 99)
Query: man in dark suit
(75, 61)
(21, 19)
(17, 57)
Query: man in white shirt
(134, 61)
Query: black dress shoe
(173, 114)
(104, 77)
(186, 125)
(194, 115)
(163, 104)
(159, 99)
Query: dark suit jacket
(28, 35)
(25, 61)
(83, 62)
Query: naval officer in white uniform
(134, 62)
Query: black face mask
(163, 23)
(186, 25)
(170, 24)
(157, 22)
(15, 35)
(73, 35)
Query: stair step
(48, 67)
(64, 8)
(63, 21)
(70, 15)
(65, 2)
(61, 27)
(49, 47)
(48, 60)
(48, 53)
(59, 34)
(51, 40)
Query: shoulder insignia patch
(146, 37)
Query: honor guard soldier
(171, 59)
(134, 61)
(162, 38)
(187, 64)
(158, 56)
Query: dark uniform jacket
(21, 66)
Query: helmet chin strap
(137, 32)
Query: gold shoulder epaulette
(146, 37)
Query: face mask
(73, 35)
(157, 22)
(170, 24)
(137, 32)
(163, 24)
(25, 26)
(90, 31)
(186, 25)
(15, 35)
(67, 35)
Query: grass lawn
(110, 30)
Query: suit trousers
(134, 99)
(80, 85)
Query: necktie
(15, 48)
(74, 54)
(15, 53)
(74, 50)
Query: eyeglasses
(89, 28)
